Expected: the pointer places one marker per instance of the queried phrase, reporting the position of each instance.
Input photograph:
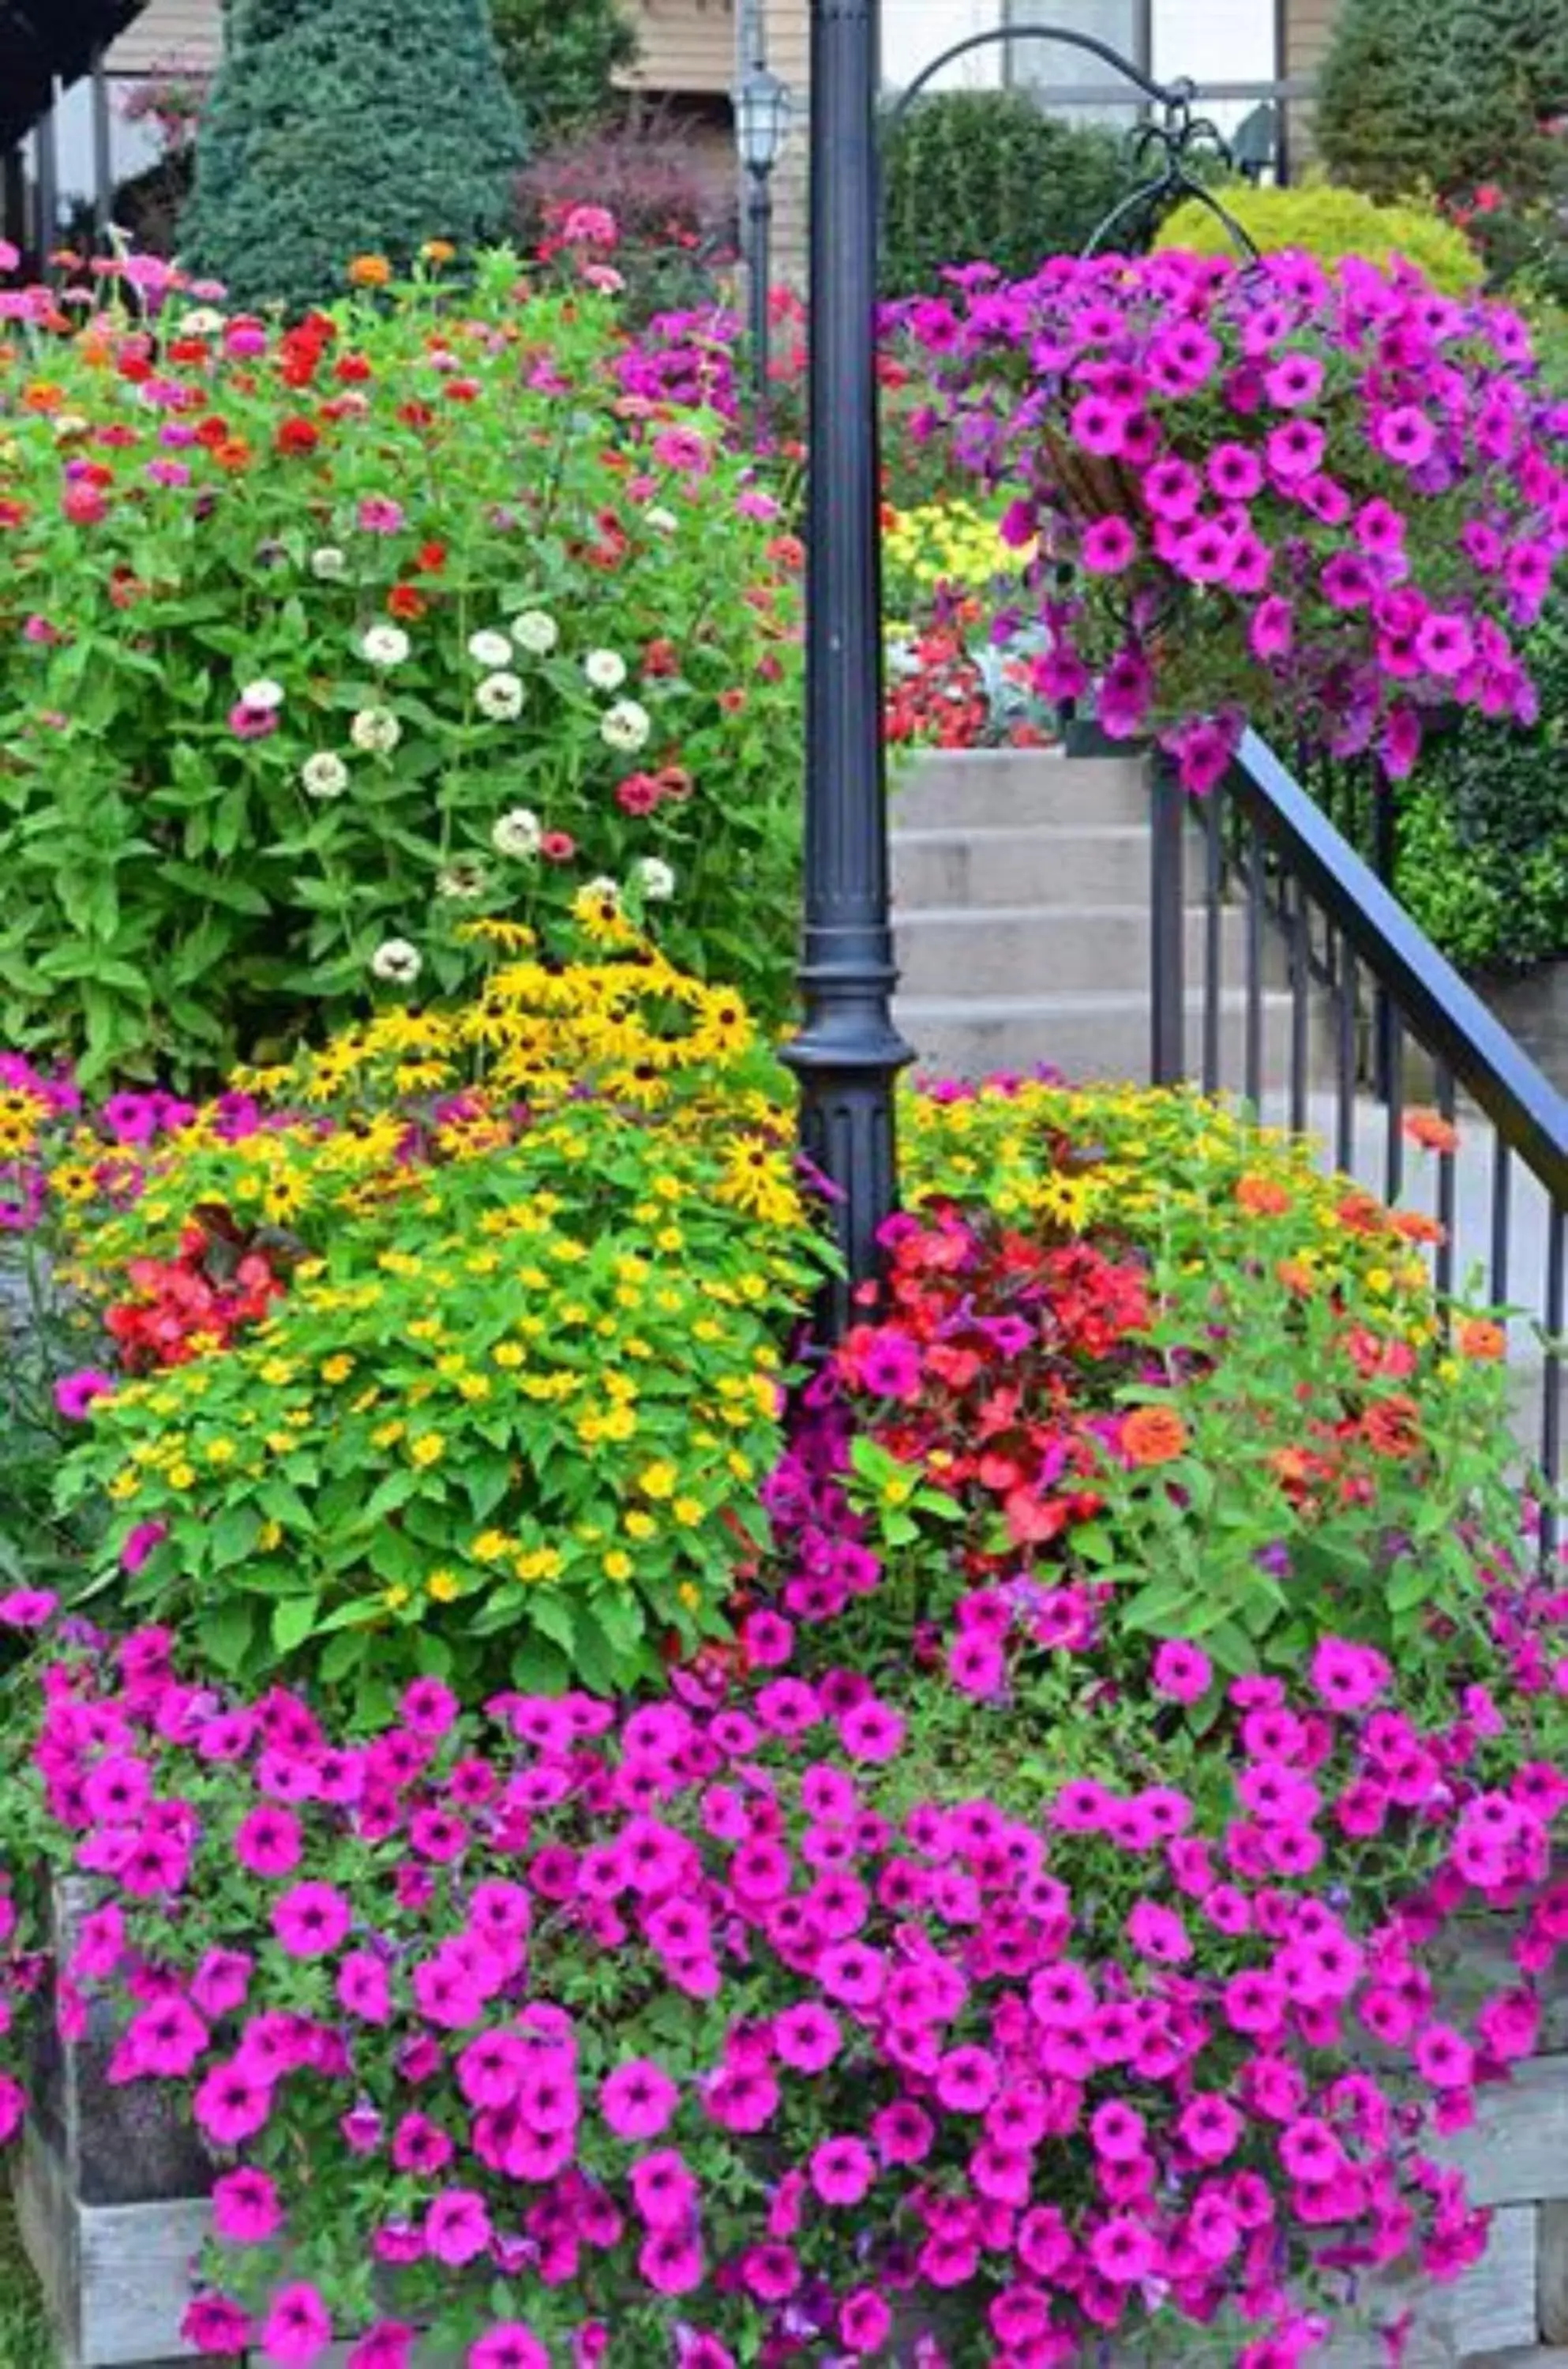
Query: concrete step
(1029, 950)
(994, 788)
(1035, 864)
(1087, 1037)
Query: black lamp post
(848, 1053)
(762, 119)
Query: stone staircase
(1022, 904)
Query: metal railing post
(1168, 1049)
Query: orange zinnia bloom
(1153, 1434)
(369, 271)
(1478, 1338)
(1431, 1130)
(1261, 1197)
(1416, 1227)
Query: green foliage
(561, 61)
(494, 671)
(1484, 827)
(1330, 223)
(1448, 95)
(985, 175)
(518, 1377)
(339, 128)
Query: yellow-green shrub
(1330, 223)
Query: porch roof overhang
(47, 41)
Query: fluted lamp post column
(848, 1053)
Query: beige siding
(189, 32)
(1309, 28)
(686, 45)
(789, 55)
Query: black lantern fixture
(848, 1053)
(762, 120)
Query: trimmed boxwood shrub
(973, 174)
(1484, 829)
(1330, 223)
(339, 128)
(562, 61)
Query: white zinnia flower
(536, 631)
(466, 878)
(396, 960)
(201, 321)
(384, 646)
(654, 879)
(328, 564)
(325, 776)
(499, 697)
(517, 833)
(489, 649)
(376, 730)
(606, 669)
(265, 695)
(662, 521)
(626, 726)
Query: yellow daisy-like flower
(426, 1449)
(657, 1480)
(443, 1586)
(617, 1564)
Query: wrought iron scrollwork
(1172, 133)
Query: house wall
(184, 32)
(686, 45)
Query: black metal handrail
(1331, 964)
(1438, 1006)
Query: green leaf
(227, 1631)
(231, 1535)
(292, 1621)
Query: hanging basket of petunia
(1323, 504)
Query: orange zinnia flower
(1414, 1226)
(438, 250)
(1261, 1197)
(369, 271)
(1478, 1338)
(1153, 1434)
(1431, 1130)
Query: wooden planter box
(111, 2201)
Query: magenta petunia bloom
(638, 2100)
(29, 1607)
(215, 2325)
(246, 2209)
(457, 2228)
(312, 1920)
(510, 2346)
(1182, 1672)
(1107, 547)
(1406, 435)
(298, 2327)
(269, 1842)
(842, 2170)
(74, 1394)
